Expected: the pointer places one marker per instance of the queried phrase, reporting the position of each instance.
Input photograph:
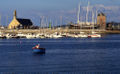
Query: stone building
(101, 21)
(19, 23)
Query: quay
(49, 31)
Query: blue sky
(34, 9)
(51, 4)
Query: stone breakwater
(49, 31)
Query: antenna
(78, 15)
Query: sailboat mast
(96, 17)
(7, 20)
(87, 12)
(78, 15)
(40, 22)
(0, 20)
(93, 17)
(93, 21)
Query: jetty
(14, 31)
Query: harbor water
(62, 55)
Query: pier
(14, 31)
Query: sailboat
(82, 34)
(93, 34)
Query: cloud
(107, 7)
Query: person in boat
(37, 46)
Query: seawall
(59, 30)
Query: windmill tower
(101, 20)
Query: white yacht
(21, 35)
(56, 35)
(82, 35)
(2, 35)
(11, 36)
(94, 35)
(30, 36)
(39, 35)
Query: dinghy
(38, 50)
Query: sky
(56, 11)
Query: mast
(40, 22)
(96, 17)
(7, 20)
(46, 21)
(0, 20)
(61, 22)
(93, 17)
(87, 12)
(93, 21)
(78, 15)
(50, 23)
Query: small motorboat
(38, 50)
(94, 36)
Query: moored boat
(94, 35)
(38, 50)
(2, 35)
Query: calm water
(62, 55)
